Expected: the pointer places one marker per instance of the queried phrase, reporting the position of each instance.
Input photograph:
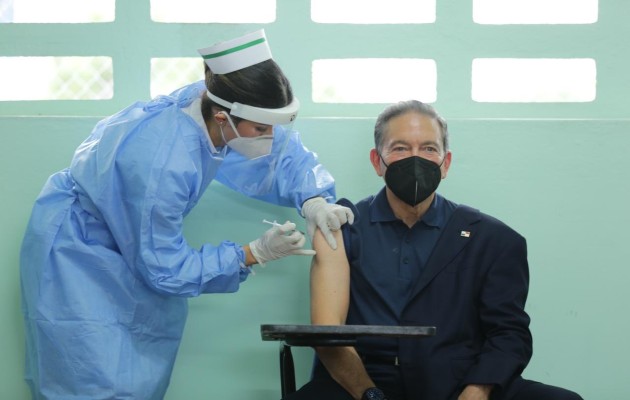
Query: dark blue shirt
(386, 258)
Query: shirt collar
(381, 211)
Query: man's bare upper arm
(330, 282)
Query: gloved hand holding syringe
(274, 223)
(280, 241)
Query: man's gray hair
(403, 107)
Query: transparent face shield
(256, 177)
(253, 147)
(251, 168)
(250, 147)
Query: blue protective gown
(105, 269)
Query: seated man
(413, 257)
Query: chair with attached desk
(327, 335)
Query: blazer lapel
(457, 234)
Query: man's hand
(476, 392)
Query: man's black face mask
(413, 179)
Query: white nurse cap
(239, 53)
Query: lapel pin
(465, 234)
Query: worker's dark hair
(259, 85)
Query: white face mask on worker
(249, 147)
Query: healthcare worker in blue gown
(105, 269)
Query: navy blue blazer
(473, 289)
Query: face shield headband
(267, 116)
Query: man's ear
(446, 164)
(376, 162)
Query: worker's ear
(219, 116)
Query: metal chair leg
(287, 370)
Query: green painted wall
(555, 172)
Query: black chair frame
(327, 335)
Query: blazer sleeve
(507, 346)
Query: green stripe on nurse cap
(239, 53)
